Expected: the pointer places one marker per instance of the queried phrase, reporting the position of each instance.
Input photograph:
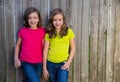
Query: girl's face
(33, 20)
(58, 21)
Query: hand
(66, 66)
(17, 63)
(45, 74)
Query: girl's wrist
(44, 67)
(16, 58)
(69, 62)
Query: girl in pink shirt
(29, 46)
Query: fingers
(17, 64)
(45, 74)
(65, 67)
(68, 69)
(46, 77)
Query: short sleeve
(71, 33)
(43, 33)
(47, 37)
(20, 32)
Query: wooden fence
(96, 24)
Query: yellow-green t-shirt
(59, 47)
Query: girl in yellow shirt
(56, 55)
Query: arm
(17, 62)
(72, 52)
(45, 52)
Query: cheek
(29, 20)
(37, 20)
(61, 22)
(54, 22)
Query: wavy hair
(51, 29)
(26, 16)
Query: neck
(58, 30)
(33, 27)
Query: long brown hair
(51, 29)
(28, 12)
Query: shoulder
(46, 34)
(70, 30)
(70, 33)
(42, 29)
(22, 29)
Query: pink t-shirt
(31, 48)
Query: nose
(32, 19)
(58, 22)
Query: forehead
(58, 16)
(33, 14)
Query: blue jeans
(32, 71)
(56, 73)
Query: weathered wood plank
(94, 40)
(36, 4)
(26, 4)
(117, 44)
(18, 24)
(9, 37)
(110, 40)
(62, 5)
(44, 12)
(68, 12)
(67, 7)
(77, 26)
(102, 41)
(2, 42)
(85, 40)
(53, 4)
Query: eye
(35, 17)
(54, 19)
(60, 19)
